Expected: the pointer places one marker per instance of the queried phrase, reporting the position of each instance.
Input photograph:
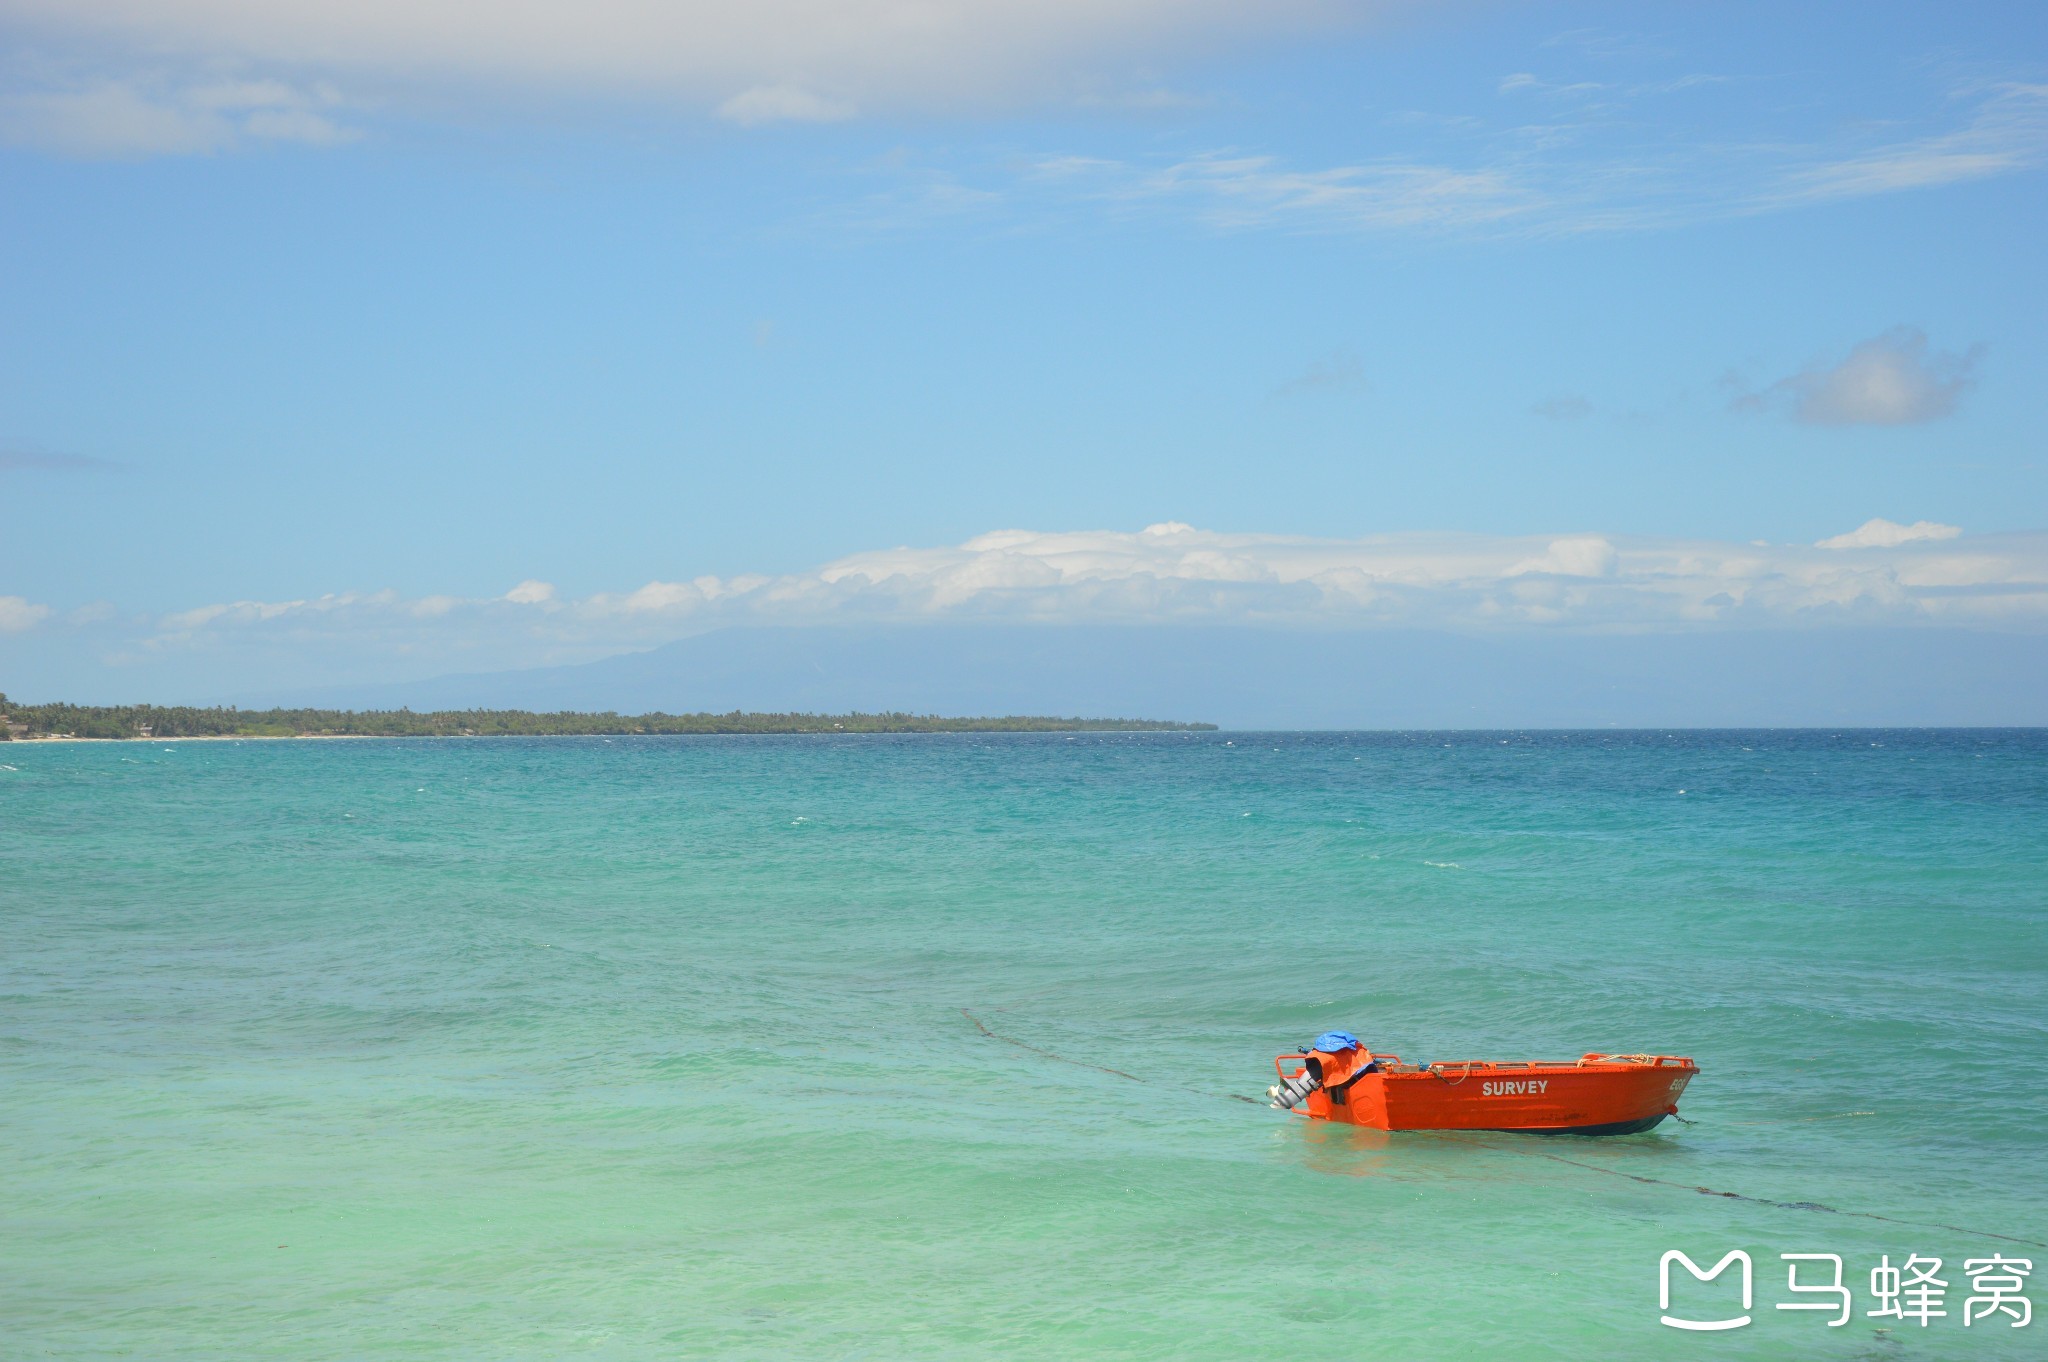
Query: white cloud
(122, 117)
(296, 125)
(758, 59)
(141, 77)
(109, 119)
(18, 613)
(258, 612)
(1922, 574)
(1582, 556)
(1888, 380)
(1889, 534)
(783, 104)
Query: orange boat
(1593, 1095)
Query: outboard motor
(1286, 1095)
(1330, 1055)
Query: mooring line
(1802, 1120)
(982, 1027)
(1021, 1045)
(1767, 1201)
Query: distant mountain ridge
(1243, 677)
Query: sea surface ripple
(666, 1047)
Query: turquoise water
(654, 1048)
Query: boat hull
(1597, 1095)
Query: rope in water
(1099, 1068)
(1766, 1201)
(982, 1027)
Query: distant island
(32, 722)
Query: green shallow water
(654, 1048)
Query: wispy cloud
(13, 459)
(18, 613)
(1569, 407)
(1338, 372)
(1524, 82)
(1149, 99)
(1238, 191)
(2007, 131)
(1889, 380)
(1597, 163)
(1604, 44)
(119, 117)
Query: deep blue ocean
(666, 1047)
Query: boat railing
(1583, 1062)
(1392, 1063)
(1386, 1062)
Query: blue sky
(397, 307)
